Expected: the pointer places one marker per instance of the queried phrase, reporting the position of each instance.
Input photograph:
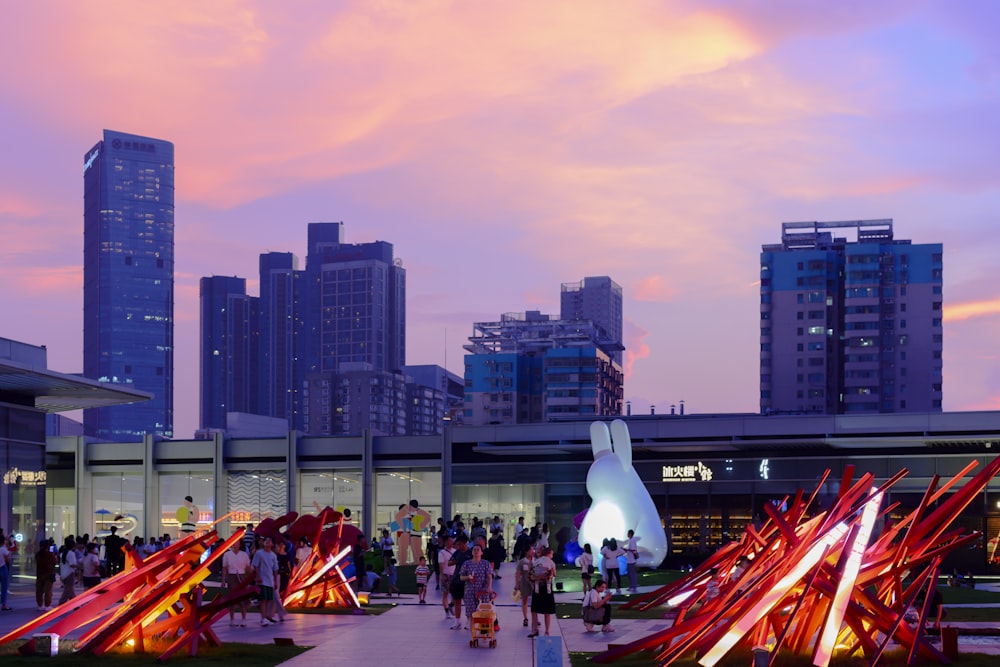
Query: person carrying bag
(597, 608)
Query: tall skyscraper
(599, 300)
(279, 341)
(229, 350)
(850, 326)
(357, 301)
(326, 334)
(128, 281)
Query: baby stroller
(483, 620)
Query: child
(390, 574)
(422, 573)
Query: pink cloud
(964, 311)
(636, 347)
(654, 288)
(43, 282)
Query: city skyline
(506, 149)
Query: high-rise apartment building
(128, 281)
(532, 367)
(229, 350)
(850, 326)
(599, 300)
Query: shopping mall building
(709, 476)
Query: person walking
(522, 580)
(477, 574)
(543, 601)
(457, 588)
(235, 568)
(265, 567)
(45, 574)
(446, 568)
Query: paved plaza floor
(418, 635)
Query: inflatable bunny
(620, 500)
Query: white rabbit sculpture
(620, 500)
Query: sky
(504, 148)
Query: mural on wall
(843, 581)
(620, 499)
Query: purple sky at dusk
(507, 147)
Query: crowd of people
(461, 562)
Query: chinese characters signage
(687, 473)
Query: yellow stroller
(484, 620)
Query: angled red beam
(134, 617)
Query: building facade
(709, 476)
(850, 326)
(529, 368)
(29, 394)
(229, 350)
(128, 281)
(325, 346)
(599, 300)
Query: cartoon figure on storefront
(620, 499)
(410, 523)
(187, 517)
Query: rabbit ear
(600, 440)
(622, 441)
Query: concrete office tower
(849, 326)
(531, 367)
(229, 350)
(128, 281)
(599, 300)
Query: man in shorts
(457, 588)
(265, 566)
(447, 569)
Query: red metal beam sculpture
(319, 580)
(815, 582)
(156, 597)
(162, 596)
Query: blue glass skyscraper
(128, 281)
(229, 349)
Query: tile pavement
(418, 635)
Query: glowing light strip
(835, 616)
(765, 604)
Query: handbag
(592, 614)
(516, 595)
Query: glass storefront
(256, 495)
(118, 500)
(174, 487)
(339, 489)
(508, 501)
(60, 513)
